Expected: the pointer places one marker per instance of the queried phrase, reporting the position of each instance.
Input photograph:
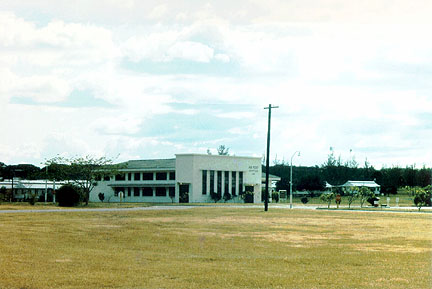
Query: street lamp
(291, 184)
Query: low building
(374, 187)
(187, 178)
(23, 189)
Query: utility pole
(266, 197)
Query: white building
(187, 178)
(374, 187)
(23, 189)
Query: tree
(327, 197)
(82, 171)
(351, 195)
(311, 183)
(364, 194)
(422, 196)
(222, 150)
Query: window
(160, 192)
(136, 192)
(129, 176)
(147, 192)
(233, 183)
(107, 178)
(137, 176)
(172, 176)
(172, 192)
(161, 176)
(129, 192)
(117, 190)
(204, 182)
(226, 182)
(120, 177)
(211, 181)
(241, 181)
(219, 182)
(147, 176)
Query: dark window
(137, 176)
(129, 192)
(160, 192)
(147, 192)
(204, 182)
(226, 182)
(120, 177)
(211, 181)
(129, 176)
(98, 178)
(136, 192)
(161, 176)
(147, 176)
(117, 190)
(233, 183)
(219, 182)
(171, 191)
(241, 181)
(107, 178)
(172, 176)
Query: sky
(148, 79)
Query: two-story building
(185, 178)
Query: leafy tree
(3, 193)
(422, 196)
(364, 194)
(82, 171)
(327, 197)
(351, 194)
(311, 183)
(222, 150)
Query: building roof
(150, 164)
(369, 184)
(271, 177)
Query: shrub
(101, 197)
(215, 196)
(32, 197)
(248, 197)
(227, 196)
(275, 197)
(68, 196)
(304, 200)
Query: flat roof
(149, 164)
(219, 156)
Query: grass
(216, 248)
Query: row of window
(226, 183)
(145, 191)
(147, 176)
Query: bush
(68, 196)
(275, 197)
(248, 197)
(215, 196)
(227, 196)
(32, 198)
(304, 200)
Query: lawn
(216, 248)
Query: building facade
(187, 178)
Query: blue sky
(147, 79)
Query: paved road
(271, 206)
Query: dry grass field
(216, 248)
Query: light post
(291, 184)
